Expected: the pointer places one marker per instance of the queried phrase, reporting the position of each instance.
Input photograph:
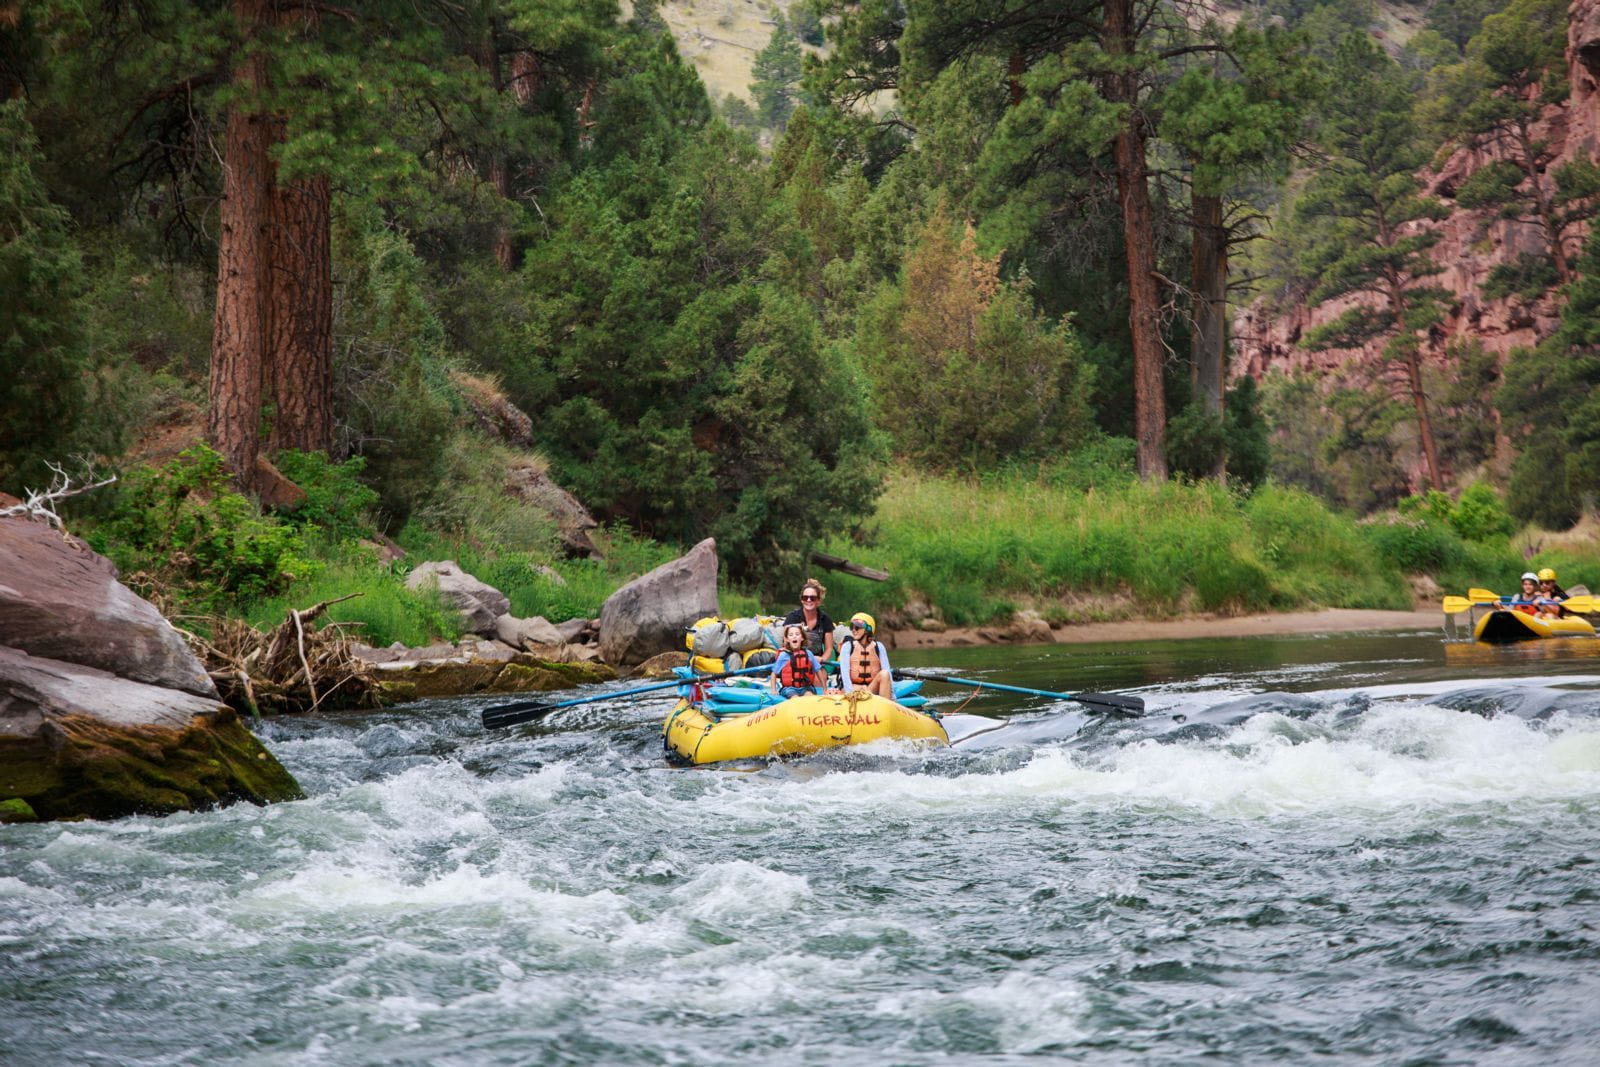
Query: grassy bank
(1078, 544)
(977, 550)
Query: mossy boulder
(78, 743)
(104, 711)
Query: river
(1371, 848)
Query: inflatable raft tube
(792, 727)
(1503, 627)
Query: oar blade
(1581, 605)
(1114, 704)
(1455, 605)
(511, 714)
(1482, 596)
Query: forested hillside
(970, 238)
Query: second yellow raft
(1503, 626)
(794, 727)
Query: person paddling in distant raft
(797, 671)
(863, 661)
(819, 628)
(1526, 601)
(1550, 594)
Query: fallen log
(839, 563)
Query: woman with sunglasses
(863, 661)
(819, 628)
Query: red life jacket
(799, 672)
(864, 662)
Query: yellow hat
(1547, 575)
(864, 619)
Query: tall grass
(384, 612)
(978, 549)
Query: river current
(1364, 848)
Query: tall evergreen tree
(1236, 115)
(1516, 68)
(1363, 197)
(776, 76)
(42, 391)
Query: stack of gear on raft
(717, 645)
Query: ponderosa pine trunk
(1413, 367)
(1133, 192)
(238, 335)
(1209, 264)
(297, 380)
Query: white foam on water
(1397, 756)
(1029, 1013)
(1036, 1012)
(739, 890)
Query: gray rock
(650, 613)
(551, 575)
(527, 633)
(532, 485)
(479, 604)
(61, 600)
(573, 630)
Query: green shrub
(336, 501)
(385, 612)
(183, 531)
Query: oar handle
(523, 710)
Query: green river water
(1370, 848)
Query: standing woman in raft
(819, 628)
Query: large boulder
(651, 613)
(103, 709)
(61, 600)
(77, 742)
(479, 604)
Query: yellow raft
(1504, 626)
(794, 727)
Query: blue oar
(523, 710)
(1099, 703)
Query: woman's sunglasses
(809, 598)
(858, 626)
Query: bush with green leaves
(183, 532)
(336, 502)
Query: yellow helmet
(1547, 575)
(864, 619)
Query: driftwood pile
(291, 668)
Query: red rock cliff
(1471, 244)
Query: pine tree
(776, 76)
(1358, 206)
(42, 390)
(1516, 68)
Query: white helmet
(1529, 576)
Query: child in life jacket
(797, 672)
(863, 661)
(1527, 601)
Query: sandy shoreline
(1331, 620)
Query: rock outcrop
(651, 613)
(1471, 244)
(104, 711)
(530, 483)
(479, 604)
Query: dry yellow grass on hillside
(721, 38)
